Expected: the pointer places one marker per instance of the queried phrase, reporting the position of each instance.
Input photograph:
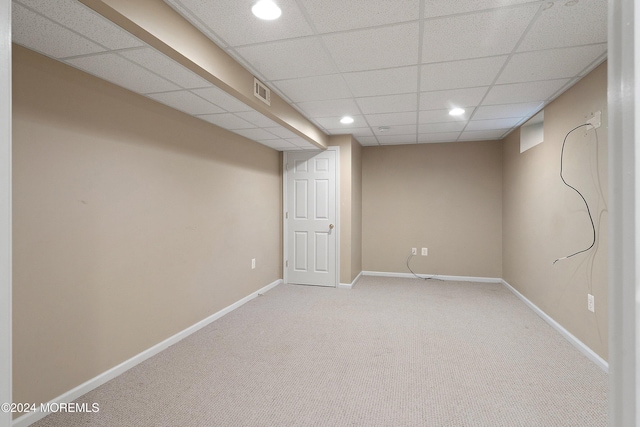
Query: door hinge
(286, 215)
(286, 263)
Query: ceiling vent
(261, 91)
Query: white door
(310, 218)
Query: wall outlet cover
(425, 251)
(591, 304)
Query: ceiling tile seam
(183, 11)
(492, 9)
(421, 10)
(573, 46)
(506, 62)
(125, 49)
(107, 49)
(498, 55)
(152, 71)
(305, 13)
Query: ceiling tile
(388, 103)
(257, 119)
(254, 134)
(352, 131)
(396, 130)
(460, 74)
(366, 141)
(40, 34)
(441, 127)
(483, 135)
(562, 25)
(438, 137)
(281, 132)
(81, 19)
(222, 99)
(550, 64)
(392, 119)
(523, 92)
(151, 59)
(383, 82)
(492, 124)
(278, 144)
(439, 116)
(232, 20)
(375, 48)
(435, 8)
(396, 139)
(475, 35)
(337, 15)
(329, 108)
(186, 101)
(315, 88)
(116, 69)
(506, 111)
(228, 121)
(289, 59)
(447, 99)
(302, 143)
(334, 123)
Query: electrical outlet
(425, 251)
(414, 251)
(595, 119)
(591, 304)
(253, 263)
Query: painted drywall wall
(350, 206)
(132, 222)
(545, 220)
(445, 197)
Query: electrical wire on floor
(593, 227)
(434, 277)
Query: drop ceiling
(396, 67)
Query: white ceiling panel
(492, 124)
(476, 35)
(367, 140)
(383, 82)
(447, 99)
(396, 130)
(357, 132)
(482, 135)
(315, 88)
(32, 31)
(370, 49)
(548, 64)
(278, 144)
(441, 127)
(506, 111)
(334, 123)
(232, 20)
(281, 132)
(392, 119)
(229, 121)
(434, 8)
(460, 74)
(302, 143)
(330, 16)
(258, 119)
(523, 92)
(116, 69)
(388, 103)
(289, 58)
(397, 139)
(255, 134)
(440, 116)
(186, 101)
(568, 23)
(83, 20)
(437, 137)
(222, 99)
(329, 108)
(151, 59)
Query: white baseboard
(435, 276)
(71, 395)
(599, 361)
(352, 284)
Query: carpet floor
(389, 352)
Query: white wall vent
(261, 91)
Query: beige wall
(132, 221)
(350, 206)
(545, 220)
(446, 197)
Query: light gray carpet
(390, 352)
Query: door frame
(285, 240)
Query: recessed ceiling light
(456, 112)
(266, 9)
(346, 120)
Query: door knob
(330, 226)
